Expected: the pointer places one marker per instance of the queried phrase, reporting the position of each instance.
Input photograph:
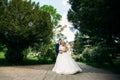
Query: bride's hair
(66, 48)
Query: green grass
(36, 61)
(27, 61)
(2, 55)
(3, 62)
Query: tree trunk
(14, 55)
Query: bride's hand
(60, 52)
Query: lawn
(28, 61)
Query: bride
(64, 62)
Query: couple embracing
(64, 63)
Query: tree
(80, 42)
(23, 25)
(55, 18)
(99, 19)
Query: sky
(62, 7)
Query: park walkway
(43, 72)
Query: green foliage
(95, 17)
(22, 24)
(44, 53)
(48, 53)
(55, 18)
(2, 55)
(99, 20)
(3, 48)
(79, 43)
(86, 55)
(98, 55)
(27, 61)
(51, 53)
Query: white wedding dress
(65, 64)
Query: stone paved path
(43, 72)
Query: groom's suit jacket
(57, 48)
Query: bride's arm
(63, 49)
(60, 49)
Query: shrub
(97, 54)
(86, 55)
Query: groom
(57, 46)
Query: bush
(101, 55)
(51, 54)
(87, 55)
(46, 52)
(78, 57)
(97, 54)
